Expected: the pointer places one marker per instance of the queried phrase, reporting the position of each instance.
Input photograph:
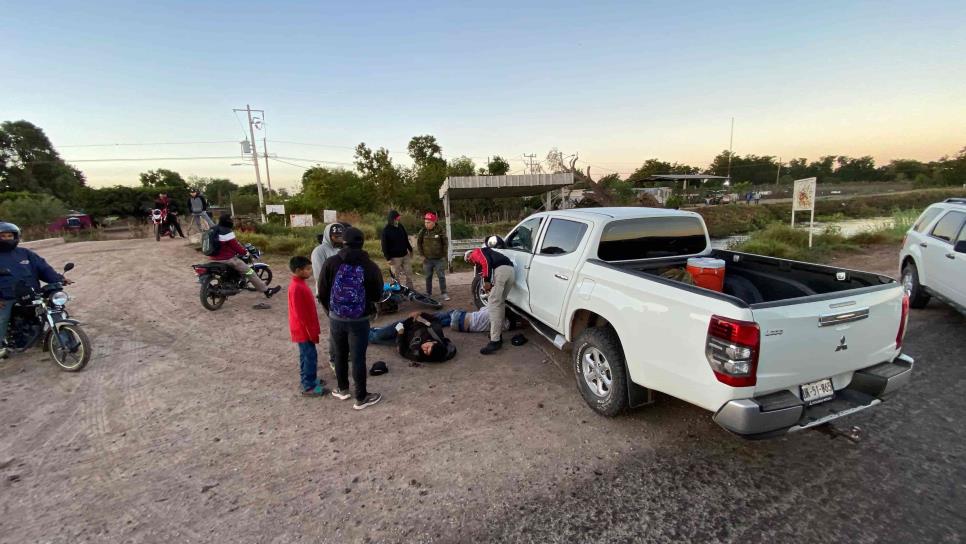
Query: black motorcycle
(219, 280)
(40, 317)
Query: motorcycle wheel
(425, 300)
(263, 272)
(157, 233)
(209, 297)
(64, 358)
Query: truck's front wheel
(600, 371)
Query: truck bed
(759, 281)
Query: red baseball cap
(430, 216)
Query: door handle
(950, 255)
(561, 277)
(923, 244)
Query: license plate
(816, 392)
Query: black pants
(174, 225)
(350, 338)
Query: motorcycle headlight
(59, 298)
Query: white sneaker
(4, 353)
(445, 296)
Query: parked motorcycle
(220, 281)
(40, 317)
(161, 225)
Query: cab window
(562, 237)
(523, 237)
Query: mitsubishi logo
(842, 345)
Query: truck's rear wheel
(600, 371)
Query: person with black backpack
(350, 284)
(220, 245)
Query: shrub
(33, 210)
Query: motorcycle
(40, 317)
(161, 225)
(394, 292)
(219, 280)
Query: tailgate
(807, 341)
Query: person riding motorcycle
(163, 202)
(229, 251)
(21, 265)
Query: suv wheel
(918, 298)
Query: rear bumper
(781, 412)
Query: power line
(152, 143)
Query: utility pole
(529, 162)
(268, 176)
(258, 176)
(731, 141)
(779, 174)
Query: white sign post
(803, 198)
(301, 220)
(330, 216)
(276, 208)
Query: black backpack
(210, 243)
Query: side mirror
(960, 246)
(4, 272)
(68, 267)
(495, 242)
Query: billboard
(803, 196)
(301, 220)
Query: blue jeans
(308, 365)
(439, 267)
(386, 336)
(350, 338)
(5, 318)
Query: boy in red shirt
(303, 323)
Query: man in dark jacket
(198, 206)
(418, 338)
(22, 266)
(434, 247)
(350, 284)
(397, 250)
(497, 273)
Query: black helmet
(9, 245)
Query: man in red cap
(433, 246)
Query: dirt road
(187, 427)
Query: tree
(424, 149)
(755, 169)
(337, 189)
(29, 162)
(461, 166)
(907, 169)
(498, 166)
(856, 169)
(162, 178)
(218, 190)
(377, 167)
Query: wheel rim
(596, 372)
(907, 283)
(212, 298)
(63, 356)
(484, 296)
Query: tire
(264, 273)
(480, 296)
(157, 233)
(67, 361)
(601, 374)
(210, 300)
(425, 300)
(918, 297)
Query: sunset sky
(616, 82)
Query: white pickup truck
(784, 346)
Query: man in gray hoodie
(330, 242)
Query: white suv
(933, 256)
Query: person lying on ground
(418, 338)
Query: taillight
(732, 351)
(903, 320)
(199, 270)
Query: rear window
(926, 218)
(651, 237)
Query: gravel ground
(187, 427)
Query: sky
(614, 82)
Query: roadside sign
(301, 220)
(330, 216)
(803, 198)
(275, 208)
